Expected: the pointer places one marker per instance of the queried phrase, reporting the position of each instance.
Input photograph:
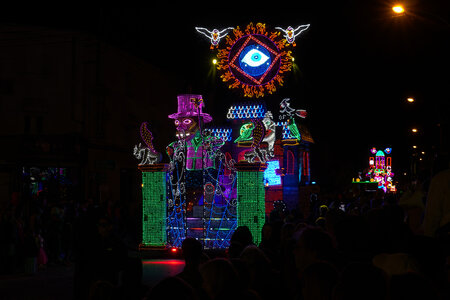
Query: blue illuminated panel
(270, 176)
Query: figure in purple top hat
(189, 121)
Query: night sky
(355, 66)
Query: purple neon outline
(249, 37)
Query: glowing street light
(214, 61)
(410, 100)
(398, 9)
(414, 130)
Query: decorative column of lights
(154, 179)
(250, 197)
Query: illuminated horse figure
(148, 155)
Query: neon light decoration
(245, 133)
(290, 33)
(201, 199)
(290, 129)
(246, 112)
(254, 59)
(380, 169)
(188, 122)
(148, 155)
(154, 208)
(221, 133)
(215, 35)
(287, 112)
(270, 176)
(251, 205)
(269, 137)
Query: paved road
(56, 282)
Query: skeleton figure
(148, 155)
(290, 33)
(215, 35)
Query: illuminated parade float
(217, 179)
(379, 172)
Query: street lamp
(414, 130)
(398, 9)
(410, 99)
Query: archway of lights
(254, 60)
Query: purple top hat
(186, 108)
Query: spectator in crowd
(318, 281)
(220, 281)
(437, 211)
(313, 245)
(176, 287)
(361, 281)
(193, 256)
(241, 238)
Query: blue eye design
(254, 60)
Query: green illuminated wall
(251, 206)
(154, 208)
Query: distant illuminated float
(254, 59)
(380, 170)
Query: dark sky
(355, 65)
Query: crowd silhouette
(351, 245)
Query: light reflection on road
(154, 270)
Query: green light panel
(251, 207)
(154, 208)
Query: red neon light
(163, 262)
(290, 162)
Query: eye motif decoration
(254, 60)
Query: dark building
(70, 110)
